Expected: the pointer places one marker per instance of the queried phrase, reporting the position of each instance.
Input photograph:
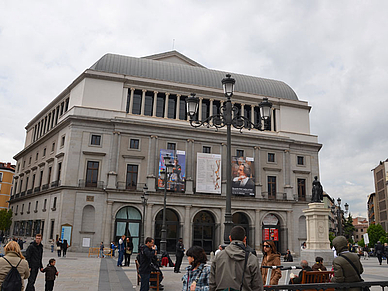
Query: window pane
(131, 176)
(137, 102)
(216, 107)
(160, 102)
(92, 174)
(171, 106)
(182, 108)
(205, 108)
(149, 103)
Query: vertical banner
(243, 176)
(176, 181)
(208, 173)
(266, 233)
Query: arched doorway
(271, 230)
(172, 226)
(204, 228)
(240, 218)
(128, 222)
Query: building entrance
(204, 228)
(128, 222)
(172, 226)
(271, 227)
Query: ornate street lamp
(164, 175)
(228, 117)
(144, 199)
(340, 214)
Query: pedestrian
(59, 247)
(386, 251)
(65, 245)
(147, 253)
(270, 258)
(52, 245)
(179, 253)
(365, 250)
(121, 251)
(101, 254)
(318, 266)
(235, 267)
(112, 248)
(51, 273)
(288, 257)
(347, 266)
(34, 255)
(21, 243)
(128, 251)
(305, 267)
(220, 248)
(13, 257)
(197, 273)
(379, 251)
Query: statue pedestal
(318, 243)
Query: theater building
(89, 153)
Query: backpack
(140, 255)
(13, 280)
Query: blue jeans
(145, 282)
(120, 260)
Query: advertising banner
(208, 173)
(243, 176)
(176, 181)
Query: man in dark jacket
(179, 253)
(228, 266)
(379, 250)
(305, 267)
(344, 272)
(34, 255)
(145, 257)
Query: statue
(317, 191)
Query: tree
(5, 219)
(376, 233)
(349, 227)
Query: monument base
(310, 255)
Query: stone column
(131, 101)
(148, 225)
(114, 152)
(151, 167)
(166, 106)
(211, 107)
(187, 227)
(272, 119)
(178, 101)
(242, 113)
(290, 227)
(155, 103)
(190, 167)
(253, 114)
(258, 230)
(142, 101)
(200, 108)
(108, 223)
(258, 185)
(287, 175)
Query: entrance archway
(204, 229)
(172, 226)
(128, 222)
(240, 218)
(271, 230)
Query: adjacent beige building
(380, 174)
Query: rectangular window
(205, 108)
(171, 106)
(182, 108)
(44, 204)
(271, 158)
(171, 146)
(1, 177)
(134, 143)
(37, 156)
(239, 153)
(57, 116)
(41, 178)
(59, 171)
(29, 207)
(33, 181)
(148, 103)
(95, 139)
(36, 206)
(160, 103)
(67, 104)
(271, 187)
(49, 175)
(206, 150)
(216, 107)
(300, 160)
(52, 229)
(29, 160)
(22, 209)
(52, 120)
(92, 174)
(62, 107)
(302, 189)
(247, 114)
(136, 109)
(44, 152)
(55, 203)
(62, 141)
(132, 176)
(53, 147)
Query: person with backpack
(34, 255)
(235, 262)
(13, 268)
(146, 254)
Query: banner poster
(208, 173)
(176, 181)
(243, 175)
(266, 233)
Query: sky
(332, 53)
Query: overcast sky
(334, 54)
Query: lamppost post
(340, 214)
(144, 199)
(229, 117)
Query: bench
(155, 279)
(310, 277)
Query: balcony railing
(29, 191)
(37, 189)
(45, 187)
(98, 184)
(55, 184)
(23, 193)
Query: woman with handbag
(59, 247)
(270, 258)
(128, 251)
(197, 275)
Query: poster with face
(243, 175)
(208, 173)
(176, 180)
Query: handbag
(58, 248)
(364, 288)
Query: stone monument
(317, 223)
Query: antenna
(173, 43)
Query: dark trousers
(59, 253)
(127, 259)
(178, 262)
(380, 258)
(64, 252)
(49, 285)
(120, 260)
(145, 282)
(32, 279)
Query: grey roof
(186, 74)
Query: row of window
(36, 207)
(50, 120)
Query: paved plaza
(79, 272)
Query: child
(51, 272)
